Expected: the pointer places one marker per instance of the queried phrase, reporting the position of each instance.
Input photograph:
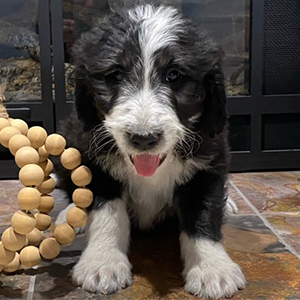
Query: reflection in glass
(19, 51)
(227, 22)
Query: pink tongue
(146, 164)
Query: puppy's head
(152, 82)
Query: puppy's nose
(144, 142)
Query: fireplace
(261, 65)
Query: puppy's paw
(215, 280)
(105, 274)
(230, 207)
(62, 218)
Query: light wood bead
(34, 237)
(29, 198)
(14, 265)
(43, 153)
(47, 204)
(31, 175)
(1, 268)
(25, 156)
(70, 158)
(23, 222)
(6, 256)
(20, 124)
(49, 248)
(77, 217)
(83, 197)
(47, 167)
(47, 186)
(55, 144)
(4, 123)
(13, 241)
(16, 142)
(37, 136)
(30, 256)
(81, 176)
(43, 221)
(64, 234)
(6, 134)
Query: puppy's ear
(214, 114)
(84, 104)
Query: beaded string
(23, 242)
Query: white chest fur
(149, 199)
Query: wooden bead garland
(23, 243)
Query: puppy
(151, 124)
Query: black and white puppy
(151, 125)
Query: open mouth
(146, 164)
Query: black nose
(144, 142)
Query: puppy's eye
(115, 76)
(173, 76)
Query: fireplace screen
(19, 51)
(228, 23)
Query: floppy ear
(86, 111)
(214, 114)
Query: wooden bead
(43, 221)
(6, 256)
(6, 134)
(23, 222)
(81, 176)
(25, 156)
(47, 204)
(13, 241)
(70, 158)
(34, 237)
(14, 265)
(37, 136)
(83, 197)
(29, 198)
(20, 124)
(43, 153)
(64, 234)
(16, 142)
(31, 175)
(4, 123)
(1, 268)
(30, 256)
(47, 186)
(55, 144)
(77, 217)
(47, 167)
(49, 248)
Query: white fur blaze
(208, 270)
(104, 267)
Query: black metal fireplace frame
(37, 111)
(255, 106)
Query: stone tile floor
(264, 238)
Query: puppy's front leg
(104, 267)
(208, 270)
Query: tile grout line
(31, 286)
(265, 221)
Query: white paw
(62, 218)
(105, 274)
(230, 207)
(215, 280)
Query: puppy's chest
(150, 200)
